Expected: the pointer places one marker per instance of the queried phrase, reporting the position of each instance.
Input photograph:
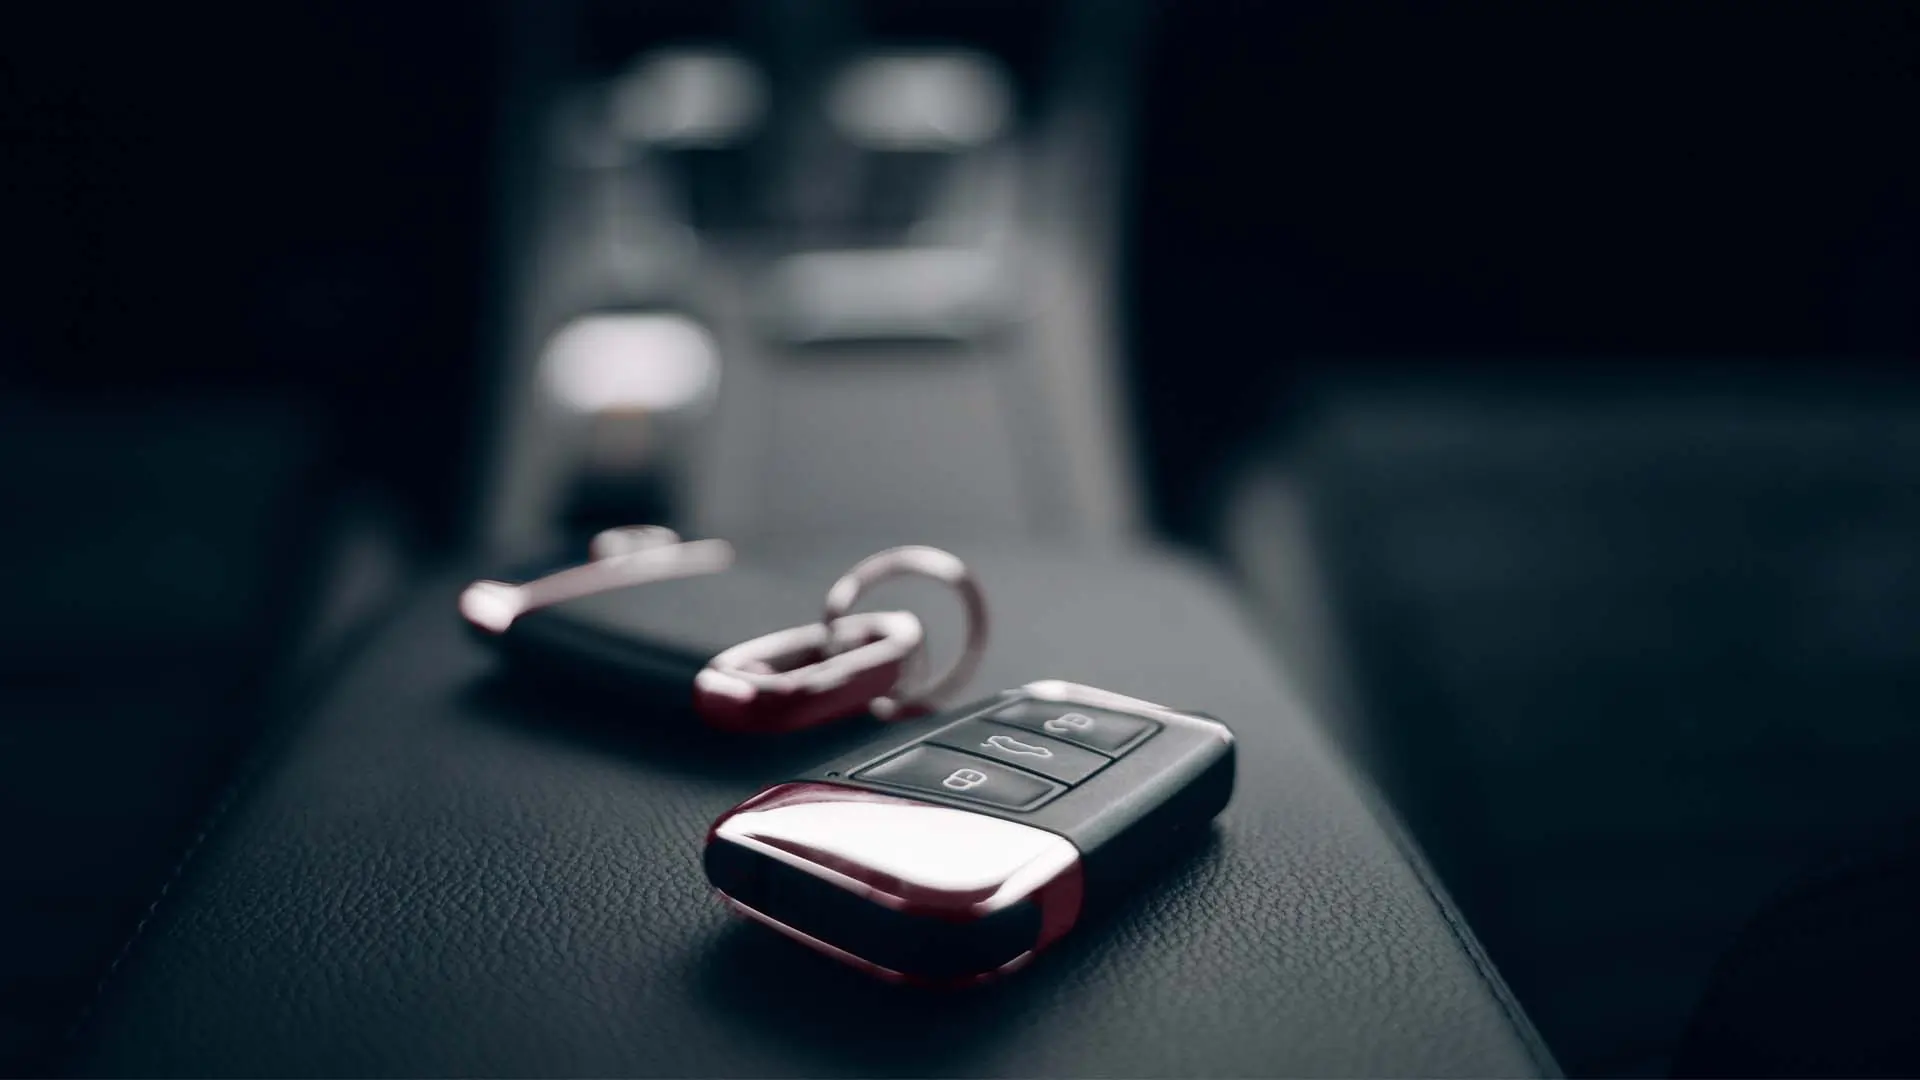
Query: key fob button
(936, 770)
(1019, 747)
(1096, 729)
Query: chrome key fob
(956, 851)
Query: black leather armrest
(443, 872)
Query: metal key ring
(930, 562)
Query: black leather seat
(158, 557)
(1631, 655)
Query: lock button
(936, 770)
(1109, 732)
(1023, 749)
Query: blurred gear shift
(639, 382)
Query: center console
(443, 871)
(786, 268)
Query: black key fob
(684, 626)
(956, 851)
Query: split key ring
(847, 662)
(915, 560)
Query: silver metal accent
(641, 363)
(627, 539)
(930, 562)
(787, 680)
(1070, 693)
(492, 606)
(902, 854)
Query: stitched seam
(1536, 1048)
(1383, 814)
(1382, 811)
(1495, 986)
(85, 1012)
(1482, 966)
(304, 697)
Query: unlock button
(1051, 758)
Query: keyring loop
(921, 561)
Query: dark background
(296, 200)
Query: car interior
(1504, 421)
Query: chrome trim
(492, 606)
(898, 852)
(815, 943)
(883, 973)
(1070, 693)
(789, 680)
(930, 562)
(909, 856)
(627, 539)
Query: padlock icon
(1068, 723)
(964, 779)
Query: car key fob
(669, 621)
(956, 851)
(681, 624)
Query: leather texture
(445, 871)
